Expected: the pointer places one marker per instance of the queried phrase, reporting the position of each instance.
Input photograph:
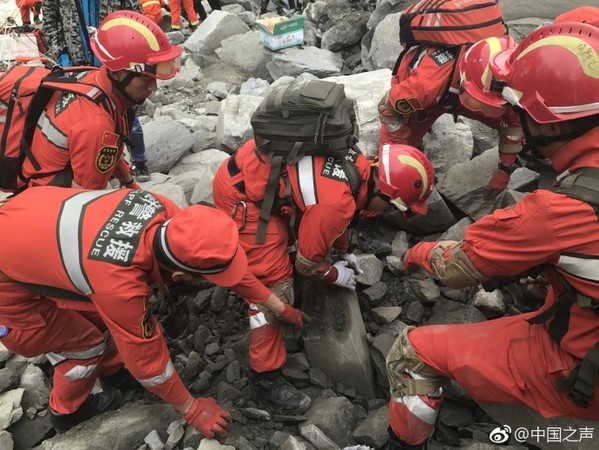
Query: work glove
(497, 184)
(346, 277)
(352, 261)
(208, 417)
(292, 315)
(419, 255)
(391, 119)
(508, 162)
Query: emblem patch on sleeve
(442, 56)
(148, 324)
(106, 159)
(109, 149)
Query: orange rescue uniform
(74, 273)
(510, 360)
(152, 9)
(78, 141)
(325, 207)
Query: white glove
(346, 277)
(352, 261)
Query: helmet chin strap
(370, 184)
(532, 143)
(120, 86)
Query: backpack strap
(51, 83)
(277, 165)
(583, 184)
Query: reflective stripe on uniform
(3, 110)
(418, 408)
(50, 132)
(166, 374)
(94, 352)
(69, 237)
(79, 372)
(581, 267)
(305, 178)
(257, 320)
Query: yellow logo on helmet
(494, 48)
(413, 162)
(587, 56)
(141, 29)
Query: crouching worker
(546, 360)
(325, 205)
(95, 253)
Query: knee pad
(408, 374)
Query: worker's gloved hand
(391, 120)
(346, 277)
(353, 263)
(292, 315)
(208, 417)
(419, 255)
(497, 184)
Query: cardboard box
(280, 32)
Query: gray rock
(217, 27)
(373, 430)
(10, 407)
(256, 414)
(425, 289)
(175, 431)
(166, 142)
(293, 443)
(375, 293)
(386, 314)
(317, 438)
(491, 304)
(372, 267)
(246, 52)
(345, 32)
(335, 338)
(213, 444)
(8, 379)
(335, 417)
(153, 441)
(383, 51)
(233, 127)
(256, 87)
(295, 61)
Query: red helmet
(406, 177)
(127, 40)
(555, 73)
(478, 93)
(584, 14)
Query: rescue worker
(152, 9)
(192, 16)
(324, 208)
(480, 98)
(584, 14)
(424, 86)
(27, 8)
(134, 53)
(99, 252)
(545, 360)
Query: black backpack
(302, 119)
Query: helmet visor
(164, 70)
(471, 103)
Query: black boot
(274, 391)
(107, 400)
(121, 380)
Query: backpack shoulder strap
(277, 165)
(582, 184)
(51, 83)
